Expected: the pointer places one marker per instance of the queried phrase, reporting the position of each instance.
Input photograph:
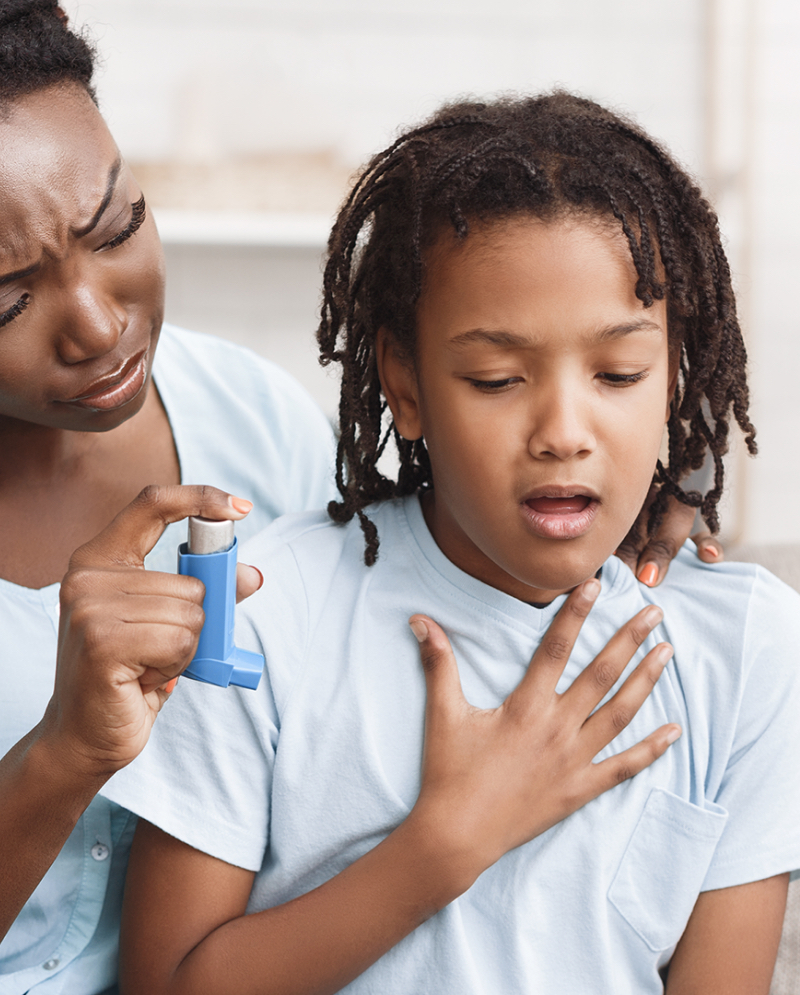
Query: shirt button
(52, 964)
(99, 851)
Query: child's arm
(731, 941)
(492, 779)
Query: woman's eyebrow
(113, 176)
(19, 274)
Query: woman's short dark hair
(37, 49)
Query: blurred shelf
(243, 228)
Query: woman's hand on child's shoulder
(493, 779)
(649, 558)
(125, 631)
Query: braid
(38, 50)
(546, 157)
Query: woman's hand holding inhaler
(126, 631)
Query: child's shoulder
(739, 613)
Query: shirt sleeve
(205, 776)
(761, 785)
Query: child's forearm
(316, 943)
(42, 796)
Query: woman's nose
(561, 428)
(92, 323)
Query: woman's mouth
(116, 390)
(563, 516)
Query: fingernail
(419, 629)
(649, 574)
(591, 588)
(249, 566)
(240, 504)
(711, 551)
(169, 687)
(653, 616)
(674, 734)
(665, 654)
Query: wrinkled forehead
(55, 157)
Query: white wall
(207, 81)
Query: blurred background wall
(244, 120)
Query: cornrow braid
(37, 49)
(547, 157)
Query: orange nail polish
(648, 574)
(169, 687)
(241, 505)
(711, 551)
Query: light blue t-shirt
(239, 423)
(298, 779)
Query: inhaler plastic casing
(210, 555)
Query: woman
(89, 415)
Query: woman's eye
(17, 308)
(138, 214)
(493, 385)
(621, 379)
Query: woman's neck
(59, 488)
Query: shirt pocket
(664, 866)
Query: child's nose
(560, 429)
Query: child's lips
(564, 516)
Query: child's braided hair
(544, 156)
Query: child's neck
(469, 558)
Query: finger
(552, 654)
(138, 610)
(101, 586)
(662, 548)
(709, 549)
(137, 528)
(132, 649)
(248, 581)
(442, 680)
(595, 681)
(636, 539)
(608, 721)
(608, 773)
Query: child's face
(541, 387)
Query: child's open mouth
(560, 516)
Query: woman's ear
(399, 383)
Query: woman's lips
(120, 391)
(564, 517)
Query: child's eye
(621, 379)
(138, 214)
(14, 310)
(493, 385)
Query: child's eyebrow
(512, 340)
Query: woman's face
(81, 268)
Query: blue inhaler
(210, 555)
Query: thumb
(441, 671)
(248, 581)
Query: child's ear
(399, 383)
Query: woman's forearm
(42, 796)
(314, 944)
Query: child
(534, 288)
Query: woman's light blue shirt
(239, 423)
